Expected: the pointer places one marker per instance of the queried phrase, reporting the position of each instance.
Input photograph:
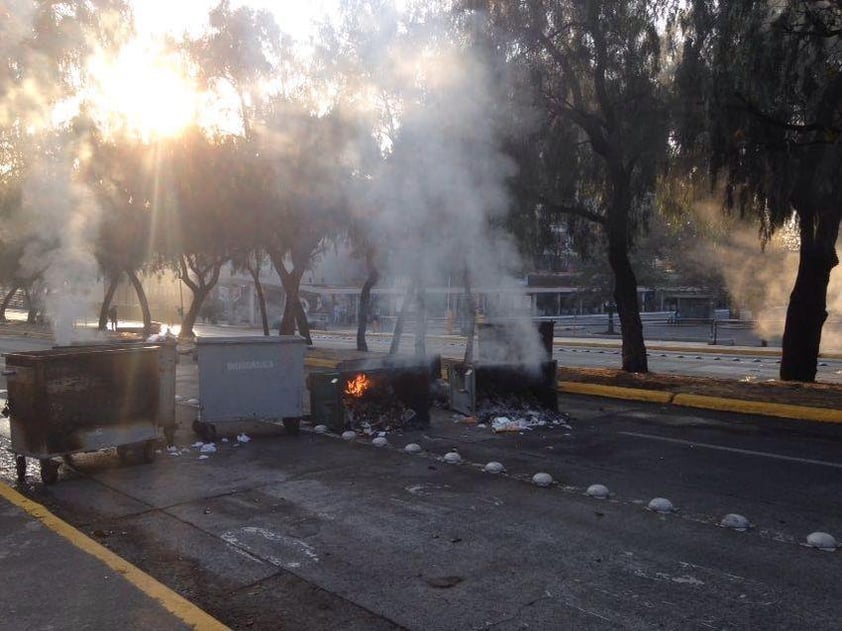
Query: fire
(357, 386)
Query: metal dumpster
(76, 399)
(250, 378)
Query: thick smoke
(443, 186)
(67, 218)
(58, 218)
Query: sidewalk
(54, 577)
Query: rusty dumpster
(68, 400)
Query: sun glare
(143, 91)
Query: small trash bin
(250, 378)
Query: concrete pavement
(55, 577)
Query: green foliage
(761, 84)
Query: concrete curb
(782, 410)
(174, 603)
(614, 392)
(721, 404)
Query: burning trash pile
(371, 400)
(372, 406)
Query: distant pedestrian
(112, 315)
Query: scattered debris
(320, 429)
(242, 438)
(514, 413)
(444, 582)
(208, 448)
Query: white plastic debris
(349, 435)
(320, 429)
(172, 449)
(822, 541)
(224, 440)
(735, 522)
(599, 491)
(380, 441)
(452, 457)
(542, 479)
(242, 438)
(505, 424)
(198, 444)
(208, 448)
(178, 398)
(661, 505)
(412, 448)
(203, 457)
(193, 401)
(494, 467)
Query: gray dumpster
(251, 378)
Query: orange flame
(357, 386)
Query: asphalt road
(312, 532)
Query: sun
(143, 90)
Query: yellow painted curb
(785, 410)
(177, 605)
(615, 392)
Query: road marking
(737, 450)
(176, 604)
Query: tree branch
(577, 210)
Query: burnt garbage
(513, 384)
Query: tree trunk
(201, 288)
(142, 300)
(261, 297)
(365, 302)
(6, 300)
(397, 334)
(420, 323)
(625, 282)
(293, 310)
(32, 307)
(301, 320)
(106, 301)
(470, 318)
(807, 309)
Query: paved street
(312, 532)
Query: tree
(603, 130)
(312, 160)
(762, 107)
(120, 171)
(197, 226)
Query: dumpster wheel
(292, 426)
(20, 467)
(49, 471)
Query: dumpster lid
(251, 339)
(24, 358)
